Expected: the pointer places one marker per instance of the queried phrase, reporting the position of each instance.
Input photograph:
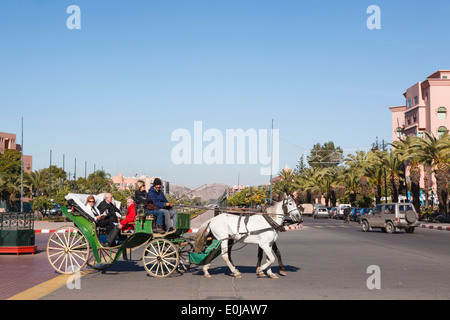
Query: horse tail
(201, 236)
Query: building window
(441, 131)
(442, 113)
(416, 100)
(419, 134)
(409, 103)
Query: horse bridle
(285, 209)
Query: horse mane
(272, 209)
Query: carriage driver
(159, 199)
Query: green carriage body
(102, 257)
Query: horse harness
(246, 215)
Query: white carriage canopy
(79, 201)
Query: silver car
(321, 212)
(388, 216)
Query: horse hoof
(207, 275)
(261, 275)
(272, 276)
(282, 272)
(237, 275)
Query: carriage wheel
(160, 258)
(184, 249)
(67, 250)
(107, 256)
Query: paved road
(326, 260)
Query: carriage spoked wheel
(184, 249)
(67, 250)
(107, 256)
(160, 258)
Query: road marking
(45, 288)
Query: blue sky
(112, 93)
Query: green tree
(435, 152)
(10, 164)
(326, 155)
(391, 161)
(406, 148)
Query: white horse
(255, 229)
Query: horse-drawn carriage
(72, 248)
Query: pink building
(427, 106)
(122, 182)
(8, 141)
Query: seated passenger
(142, 199)
(159, 199)
(107, 206)
(127, 224)
(103, 220)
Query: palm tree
(351, 184)
(359, 162)
(37, 181)
(374, 172)
(406, 149)
(435, 152)
(9, 187)
(393, 165)
(286, 184)
(307, 182)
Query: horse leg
(278, 254)
(258, 263)
(230, 245)
(233, 269)
(270, 259)
(205, 270)
(210, 257)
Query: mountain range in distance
(210, 191)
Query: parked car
(332, 212)
(389, 216)
(55, 211)
(363, 212)
(354, 214)
(340, 210)
(320, 212)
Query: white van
(340, 210)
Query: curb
(430, 226)
(297, 227)
(44, 231)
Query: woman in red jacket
(127, 224)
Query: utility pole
(21, 174)
(271, 162)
